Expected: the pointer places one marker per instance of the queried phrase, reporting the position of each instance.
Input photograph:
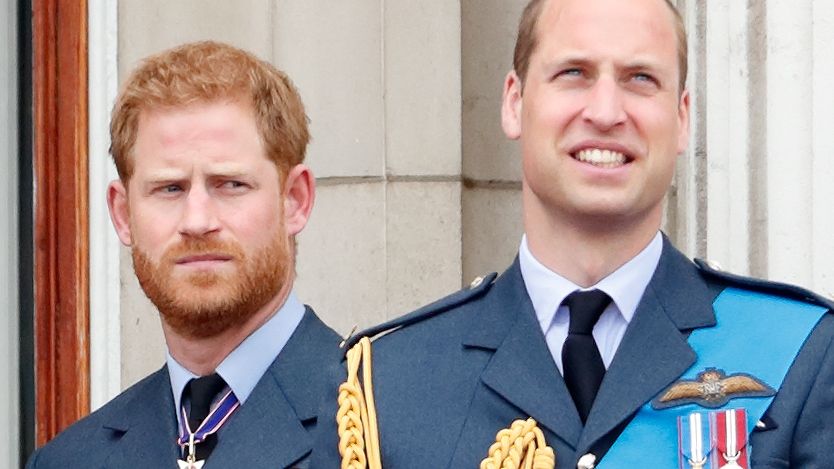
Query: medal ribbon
(731, 429)
(214, 420)
(695, 444)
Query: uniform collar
(547, 289)
(246, 364)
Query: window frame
(61, 232)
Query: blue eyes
(230, 186)
(577, 73)
(644, 77)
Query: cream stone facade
(418, 190)
(9, 318)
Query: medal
(731, 438)
(191, 460)
(188, 439)
(694, 442)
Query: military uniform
(275, 427)
(450, 375)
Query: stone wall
(418, 190)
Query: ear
(683, 122)
(511, 106)
(299, 196)
(117, 203)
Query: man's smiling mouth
(608, 159)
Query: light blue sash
(756, 334)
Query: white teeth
(601, 158)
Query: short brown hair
(210, 71)
(527, 40)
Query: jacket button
(587, 461)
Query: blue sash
(756, 334)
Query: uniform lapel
(265, 432)
(271, 429)
(654, 351)
(522, 370)
(146, 427)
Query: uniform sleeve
(813, 440)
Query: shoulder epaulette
(476, 289)
(794, 292)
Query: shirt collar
(625, 286)
(247, 363)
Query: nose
(199, 216)
(604, 108)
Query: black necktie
(202, 392)
(582, 364)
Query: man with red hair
(209, 144)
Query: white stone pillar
(105, 313)
(9, 329)
(822, 214)
(753, 190)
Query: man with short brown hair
(601, 345)
(209, 144)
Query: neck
(585, 250)
(202, 356)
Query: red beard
(206, 303)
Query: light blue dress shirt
(625, 286)
(246, 364)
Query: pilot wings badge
(712, 388)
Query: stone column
(753, 191)
(9, 325)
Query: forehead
(616, 27)
(209, 121)
(207, 130)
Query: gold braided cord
(356, 417)
(522, 446)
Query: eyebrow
(642, 64)
(165, 175)
(226, 170)
(638, 63)
(567, 61)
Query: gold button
(477, 282)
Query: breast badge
(712, 388)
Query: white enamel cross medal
(189, 464)
(213, 421)
(191, 460)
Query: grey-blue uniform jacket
(275, 428)
(455, 372)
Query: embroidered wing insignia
(712, 388)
